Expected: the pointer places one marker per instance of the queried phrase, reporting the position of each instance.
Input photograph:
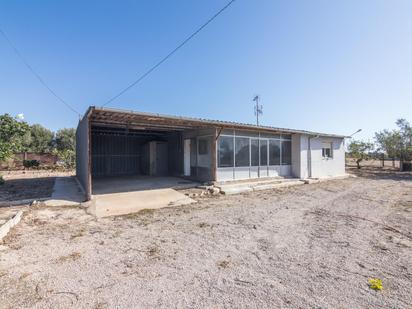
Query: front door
(186, 160)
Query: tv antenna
(258, 108)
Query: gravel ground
(312, 246)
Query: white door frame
(186, 156)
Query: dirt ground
(311, 246)
(31, 184)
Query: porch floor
(124, 195)
(108, 185)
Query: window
(242, 151)
(225, 151)
(254, 151)
(203, 146)
(274, 152)
(327, 150)
(263, 152)
(286, 153)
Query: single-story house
(114, 143)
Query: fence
(16, 163)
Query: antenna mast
(258, 108)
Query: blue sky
(329, 66)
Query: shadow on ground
(26, 188)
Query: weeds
(375, 284)
(79, 233)
(71, 257)
(223, 264)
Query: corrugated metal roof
(208, 122)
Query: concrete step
(235, 188)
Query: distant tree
(359, 150)
(65, 139)
(405, 131)
(12, 131)
(396, 143)
(39, 139)
(389, 142)
(65, 143)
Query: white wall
(300, 156)
(303, 161)
(324, 167)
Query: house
(117, 143)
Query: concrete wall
(300, 162)
(82, 156)
(312, 164)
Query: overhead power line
(154, 67)
(41, 80)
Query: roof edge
(218, 123)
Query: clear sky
(329, 66)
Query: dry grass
(71, 257)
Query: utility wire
(169, 54)
(41, 80)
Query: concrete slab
(255, 185)
(113, 204)
(322, 179)
(66, 192)
(229, 190)
(108, 185)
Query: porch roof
(100, 116)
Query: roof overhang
(109, 117)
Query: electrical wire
(37, 75)
(154, 67)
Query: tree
(388, 142)
(358, 150)
(12, 131)
(396, 143)
(66, 139)
(65, 143)
(405, 132)
(40, 139)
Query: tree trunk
(357, 163)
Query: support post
(214, 154)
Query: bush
(31, 163)
(2, 181)
(67, 158)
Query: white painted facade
(308, 160)
(312, 156)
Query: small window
(203, 146)
(327, 150)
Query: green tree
(405, 147)
(12, 132)
(359, 150)
(389, 142)
(65, 142)
(40, 139)
(66, 139)
(396, 143)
